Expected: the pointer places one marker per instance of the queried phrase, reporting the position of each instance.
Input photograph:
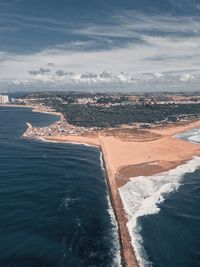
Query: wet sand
(143, 169)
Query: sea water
(54, 203)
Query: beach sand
(127, 155)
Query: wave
(102, 163)
(142, 195)
(68, 202)
(191, 136)
(195, 137)
(64, 142)
(115, 236)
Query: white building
(4, 99)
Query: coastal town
(93, 114)
(110, 99)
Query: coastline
(35, 108)
(124, 159)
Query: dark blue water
(53, 200)
(172, 237)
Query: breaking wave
(191, 136)
(142, 196)
(64, 142)
(115, 236)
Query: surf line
(128, 258)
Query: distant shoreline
(124, 159)
(34, 109)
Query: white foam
(142, 196)
(67, 202)
(195, 138)
(191, 136)
(64, 142)
(102, 162)
(117, 259)
(116, 247)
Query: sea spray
(142, 195)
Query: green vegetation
(113, 115)
(91, 116)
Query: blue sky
(107, 45)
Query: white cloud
(130, 24)
(186, 77)
(39, 72)
(174, 49)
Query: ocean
(54, 204)
(164, 214)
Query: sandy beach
(127, 155)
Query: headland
(127, 152)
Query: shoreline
(35, 108)
(145, 169)
(124, 159)
(116, 165)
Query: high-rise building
(4, 99)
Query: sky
(100, 45)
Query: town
(110, 99)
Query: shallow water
(54, 208)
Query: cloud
(60, 73)
(186, 77)
(88, 75)
(106, 74)
(41, 71)
(50, 64)
(157, 50)
(136, 25)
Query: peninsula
(128, 151)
